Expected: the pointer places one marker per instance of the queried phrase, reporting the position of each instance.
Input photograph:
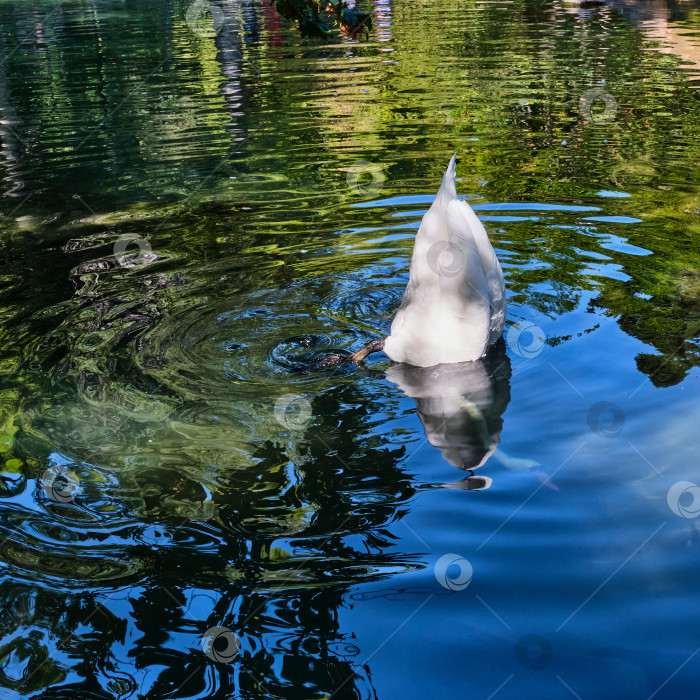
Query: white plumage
(455, 304)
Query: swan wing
(489, 261)
(492, 271)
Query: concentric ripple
(252, 344)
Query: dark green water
(186, 511)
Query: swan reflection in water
(461, 407)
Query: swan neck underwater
(454, 305)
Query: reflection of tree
(274, 565)
(534, 143)
(229, 40)
(669, 321)
(124, 125)
(291, 645)
(11, 148)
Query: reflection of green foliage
(7, 432)
(487, 86)
(30, 650)
(316, 17)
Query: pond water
(190, 215)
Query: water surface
(189, 216)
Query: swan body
(454, 306)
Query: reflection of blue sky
(611, 498)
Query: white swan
(455, 302)
(454, 306)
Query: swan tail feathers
(448, 189)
